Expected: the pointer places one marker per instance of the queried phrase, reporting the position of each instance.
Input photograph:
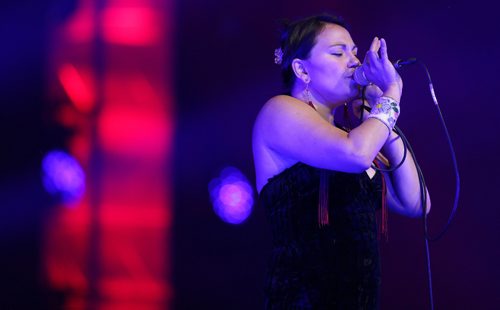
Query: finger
(375, 45)
(356, 102)
(378, 44)
(355, 107)
(383, 49)
(373, 91)
(371, 57)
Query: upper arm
(296, 132)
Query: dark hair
(297, 40)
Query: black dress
(333, 267)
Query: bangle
(387, 111)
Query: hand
(356, 106)
(372, 93)
(380, 71)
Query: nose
(354, 63)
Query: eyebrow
(343, 45)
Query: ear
(300, 71)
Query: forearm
(367, 139)
(404, 180)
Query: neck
(323, 108)
(325, 111)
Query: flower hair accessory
(278, 56)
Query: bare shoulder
(279, 110)
(281, 103)
(266, 133)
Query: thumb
(372, 93)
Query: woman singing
(315, 175)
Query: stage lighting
(63, 176)
(232, 196)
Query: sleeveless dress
(333, 267)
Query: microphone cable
(423, 191)
(457, 190)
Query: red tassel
(383, 227)
(323, 219)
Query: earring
(308, 95)
(347, 119)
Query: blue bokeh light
(63, 176)
(232, 196)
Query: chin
(353, 93)
(348, 94)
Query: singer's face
(331, 65)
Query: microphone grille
(359, 76)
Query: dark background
(224, 73)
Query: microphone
(360, 78)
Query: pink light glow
(134, 122)
(128, 198)
(232, 196)
(131, 130)
(131, 26)
(78, 86)
(81, 27)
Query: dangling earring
(347, 119)
(308, 96)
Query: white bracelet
(387, 111)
